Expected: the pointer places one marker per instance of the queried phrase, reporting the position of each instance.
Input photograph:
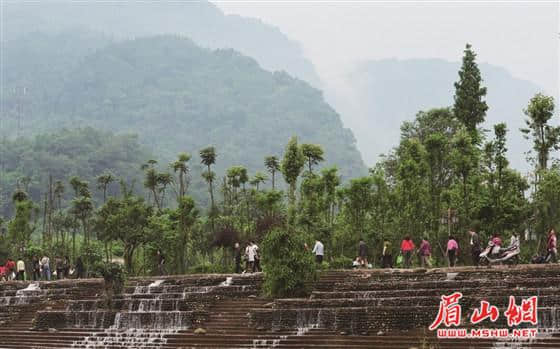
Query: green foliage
(545, 136)
(85, 153)
(208, 268)
(313, 154)
(113, 274)
(125, 219)
(288, 266)
(292, 165)
(92, 256)
(470, 107)
(176, 96)
(341, 262)
(22, 226)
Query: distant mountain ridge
(380, 94)
(174, 94)
(201, 21)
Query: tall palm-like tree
(313, 155)
(182, 169)
(103, 182)
(151, 180)
(273, 165)
(58, 192)
(164, 179)
(208, 158)
(258, 179)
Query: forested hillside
(380, 95)
(175, 95)
(201, 21)
(27, 164)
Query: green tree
(464, 158)
(181, 167)
(273, 165)
(188, 215)
(21, 226)
(292, 165)
(257, 179)
(289, 268)
(470, 107)
(151, 180)
(545, 136)
(313, 154)
(126, 220)
(103, 182)
(208, 158)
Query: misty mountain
(376, 97)
(174, 94)
(201, 21)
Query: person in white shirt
(20, 270)
(318, 249)
(256, 256)
(46, 268)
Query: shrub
(289, 268)
(341, 262)
(208, 268)
(114, 276)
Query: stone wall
(381, 301)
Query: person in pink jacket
(452, 251)
(552, 250)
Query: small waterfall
(23, 296)
(548, 325)
(265, 343)
(307, 322)
(156, 283)
(141, 323)
(228, 281)
(32, 289)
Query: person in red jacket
(407, 246)
(11, 269)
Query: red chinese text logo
(486, 311)
(526, 312)
(449, 311)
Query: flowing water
(24, 296)
(141, 322)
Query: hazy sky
(523, 37)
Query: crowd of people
(248, 260)
(250, 255)
(424, 252)
(41, 269)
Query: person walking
(46, 268)
(452, 251)
(387, 255)
(425, 251)
(552, 249)
(363, 253)
(80, 270)
(250, 257)
(257, 258)
(161, 263)
(11, 269)
(66, 266)
(475, 247)
(58, 266)
(407, 246)
(20, 269)
(36, 268)
(237, 257)
(319, 250)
